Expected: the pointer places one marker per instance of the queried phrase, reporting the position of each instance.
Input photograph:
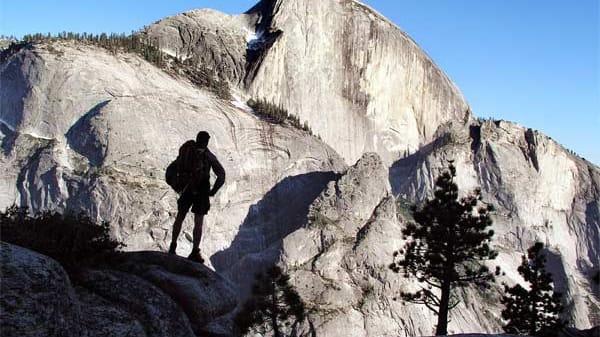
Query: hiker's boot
(195, 256)
(173, 248)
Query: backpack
(202, 166)
(190, 168)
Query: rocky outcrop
(36, 298)
(206, 38)
(144, 294)
(541, 192)
(339, 262)
(323, 258)
(155, 312)
(102, 318)
(202, 294)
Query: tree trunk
(442, 324)
(276, 332)
(533, 300)
(274, 311)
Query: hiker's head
(202, 139)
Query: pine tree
(273, 306)
(533, 311)
(446, 246)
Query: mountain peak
(324, 61)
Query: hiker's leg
(183, 205)
(198, 220)
(177, 226)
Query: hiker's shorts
(198, 200)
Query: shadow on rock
(83, 138)
(280, 212)
(401, 172)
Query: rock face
(147, 306)
(201, 294)
(35, 289)
(145, 294)
(84, 129)
(359, 81)
(206, 37)
(541, 193)
(104, 319)
(339, 263)
(367, 69)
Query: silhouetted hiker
(193, 166)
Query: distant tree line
(498, 121)
(198, 73)
(203, 77)
(8, 37)
(276, 114)
(114, 43)
(489, 119)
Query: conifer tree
(274, 305)
(533, 311)
(445, 248)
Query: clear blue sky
(535, 62)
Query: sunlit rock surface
(84, 129)
(541, 192)
(359, 81)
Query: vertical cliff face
(359, 81)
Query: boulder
(156, 313)
(36, 298)
(103, 318)
(201, 293)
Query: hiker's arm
(219, 172)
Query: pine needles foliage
(274, 306)
(534, 311)
(276, 114)
(446, 245)
(74, 240)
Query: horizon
(533, 63)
